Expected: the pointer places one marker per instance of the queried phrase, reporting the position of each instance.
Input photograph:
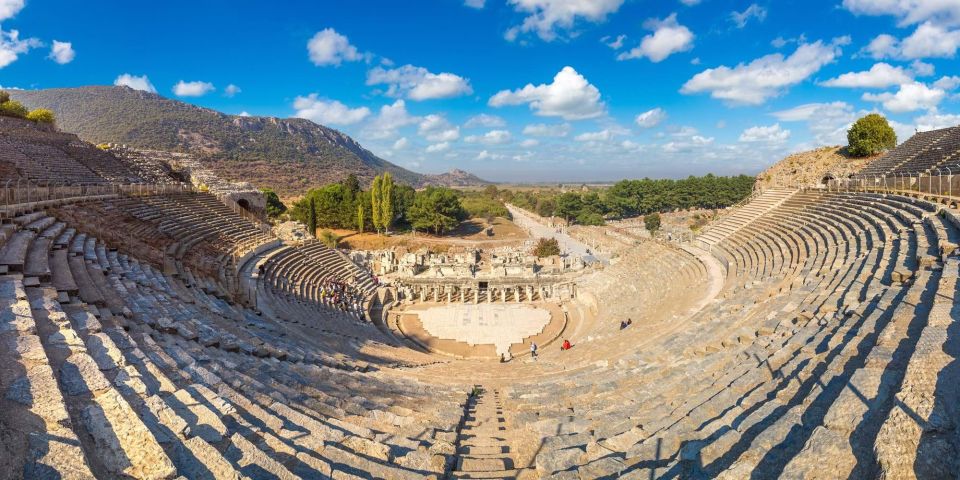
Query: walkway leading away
(568, 244)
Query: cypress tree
(312, 219)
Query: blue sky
(521, 89)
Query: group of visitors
(625, 323)
(341, 295)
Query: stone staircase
(734, 221)
(483, 443)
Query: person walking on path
(533, 350)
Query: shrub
(546, 247)
(41, 115)
(870, 135)
(652, 222)
(329, 238)
(4, 96)
(274, 206)
(13, 108)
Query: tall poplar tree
(386, 202)
(376, 199)
(360, 218)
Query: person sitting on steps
(566, 345)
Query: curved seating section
(113, 369)
(924, 152)
(47, 156)
(192, 230)
(824, 353)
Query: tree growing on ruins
(546, 247)
(652, 222)
(870, 135)
(274, 207)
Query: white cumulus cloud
(765, 77)
(651, 118)
(12, 46)
(135, 82)
(327, 47)
(231, 90)
(570, 97)
(192, 89)
(485, 120)
(401, 143)
(391, 118)
(418, 83)
(828, 122)
(547, 17)
(493, 137)
(881, 75)
(740, 19)
(668, 37)
(436, 128)
(934, 120)
(765, 134)
(908, 12)
(10, 8)
(545, 130)
(62, 52)
(910, 97)
(438, 147)
(328, 112)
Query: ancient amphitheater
(149, 330)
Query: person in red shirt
(566, 345)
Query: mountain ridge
(289, 155)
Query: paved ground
(568, 244)
(500, 324)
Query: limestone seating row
(904, 152)
(745, 214)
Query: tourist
(566, 345)
(533, 350)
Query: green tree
(386, 202)
(870, 135)
(41, 115)
(274, 206)
(376, 202)
(490, 191)
(568, 205)
(352, 184)
(546, 247)
(402, 200)
(652, 222)
(4, 96)
(436, 209)
(312, 218)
